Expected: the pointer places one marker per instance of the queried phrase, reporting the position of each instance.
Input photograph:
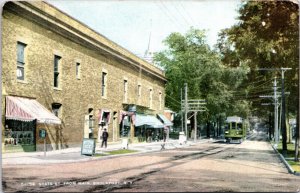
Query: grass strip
(294, 165)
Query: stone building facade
(74, 72)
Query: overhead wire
(159, 3)
(187, 13)
(187, 23)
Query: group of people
(105, 135)
(158, 136)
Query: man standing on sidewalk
(164, 138)
(104, 138)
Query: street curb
(290, 169)
(93, 158)
(141, 151)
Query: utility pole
(193, 105)
(195, 126)
(185, 109)
(297, 138)
(275, 100)
(283, 122)
(276, 113)
(181, 110)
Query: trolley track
(173, 161)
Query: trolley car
(235, 129)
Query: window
(150, 97)
(91, 122)
(103, 93)
(78, 70)
(160, 100)
(20, 61)
(56, 70)
(56, 109)
(233, 125)
(125, 90)
(139, 91)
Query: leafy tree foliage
(267, 36)
(190, 60)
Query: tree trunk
(297, 138)
(270, 126)
(219, 126)
(208, 129)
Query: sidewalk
(74, 154)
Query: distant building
(61, 76)
(169, 114)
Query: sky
(129, 23)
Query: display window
(19, 133)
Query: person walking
(164, 140)
(104, 138)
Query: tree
(188, 59)
(267, 35)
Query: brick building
(54, 64)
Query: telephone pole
(181, 110)
(192, 105)
(283, 122)
(276, 104)
(276, 113)
(185, 109)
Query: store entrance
(20, 136)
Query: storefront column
(131, 131)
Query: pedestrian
(165, 133)
(164, 136)
(104, 138)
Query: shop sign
(132, 108)
(88, 146)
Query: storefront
(167, 123)
(23, 118)
(104, 117)
(125, 119)
(146, 127)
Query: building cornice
(59, 22)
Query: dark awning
(148, 120)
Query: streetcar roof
(234, 119)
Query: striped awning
(25, 109)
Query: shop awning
(165, 120)
(149, 120)
(25, 109)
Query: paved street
(210, 166)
